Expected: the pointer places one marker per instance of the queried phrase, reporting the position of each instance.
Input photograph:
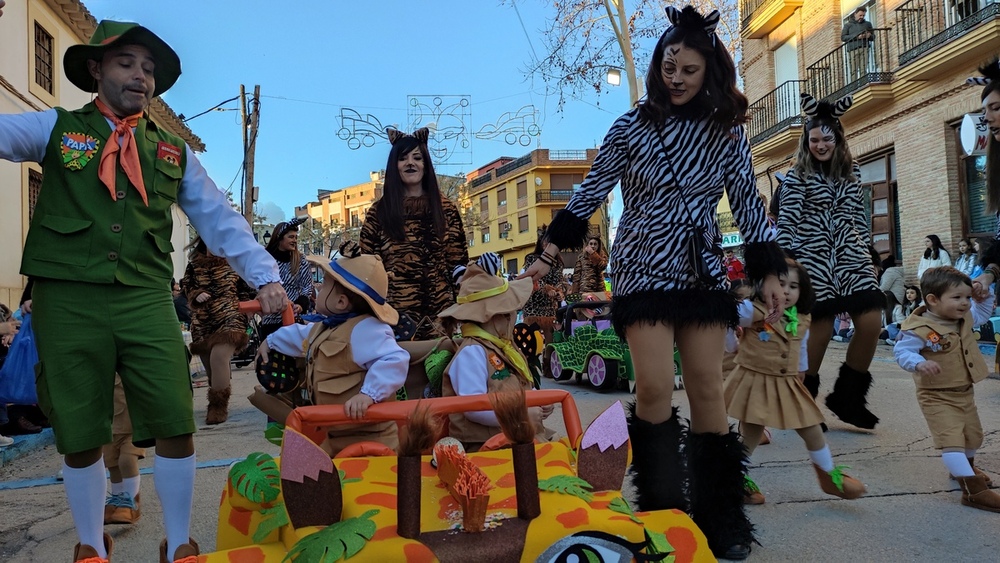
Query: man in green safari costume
(99, 250)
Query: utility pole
(249, 145)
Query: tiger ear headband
(690, 18)
(394, 135)
(990, 72)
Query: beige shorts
(952, 417)
(121, 444)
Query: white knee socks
(174, 482)
(86, 488)
(957, 464)
(822, 458)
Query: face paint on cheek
(828, 132)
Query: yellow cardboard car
(307, 508)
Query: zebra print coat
(823, 222)
(672, 178)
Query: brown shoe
(218, 406)
(977, 471)
(125, 509)
(87, 554)
(976, 494)
(185, 553)
(751, 492)
(849, 487)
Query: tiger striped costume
(672, 177)
(823, 221)
(420, 267)
(218, 320)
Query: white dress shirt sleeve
(374, 348)
(745, 310)
(907, 350)
(225, 232)
(981, 312)
(804, 353)
(469, 372)
(24, 136)
(290, 339)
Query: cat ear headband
(394, 135)
(990, 72)
(691, 19)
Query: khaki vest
(332, 378)
(779, 354)
(958, 353)
(472, 433)
(78, 232)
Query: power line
(327, 103)
(526, 36)
(216, 106)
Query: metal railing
(747, 9)
(776, 111)
(514, 165)
(924, 25)
(726, 221)
(542, 196)
(568, 155)
(478, 181)
(846, 70)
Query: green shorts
(85, 333)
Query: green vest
(78, 232)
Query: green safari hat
(110, 34)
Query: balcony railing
(776, 111)
(568, 155)
(924, 25)
(482, 179)
(543, 196)
(846, 70)
(726, 222)
(514, 165)
(747, 9)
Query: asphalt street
(911, 513)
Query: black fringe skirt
(853, 304)
(676, 307)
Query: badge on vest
(500, 371)
(169, 153)
(78, 149)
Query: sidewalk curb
(25, 444)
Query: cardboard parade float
(514, 500)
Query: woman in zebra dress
(822, 221)
(675, 155)
(989, 257)
(296, 276)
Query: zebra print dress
(823, 222)
(672, 177)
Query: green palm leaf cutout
(621, 506)
(274, 432)
(657, 543)
(341, 540)
(837, 476)
(568, 485)
(273, 518)
(256, 478)
(344, 480)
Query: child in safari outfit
(937, 345)
(765, 389)
(351, 353)
(486, 360)
(121, 457)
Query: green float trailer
(592, 349)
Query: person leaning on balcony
(98, 249)
(989, 258)
(858, 34)
(675, 155)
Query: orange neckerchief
(129, 157)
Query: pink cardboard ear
(604, 450)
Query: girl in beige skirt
(765, 388)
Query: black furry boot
(849, 398)
(658, 471)
(812, 384)
(717, 488)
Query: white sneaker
(838, 338)
(890, 342)
(5, 441)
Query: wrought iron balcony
(777, 111)
(847, 70)
(514, 165)
(760, 17)
(480, 180)
(726, 222)
(545, 196)
(924, 25)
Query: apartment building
(910, 97)
(36, 34)
(339, 213)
